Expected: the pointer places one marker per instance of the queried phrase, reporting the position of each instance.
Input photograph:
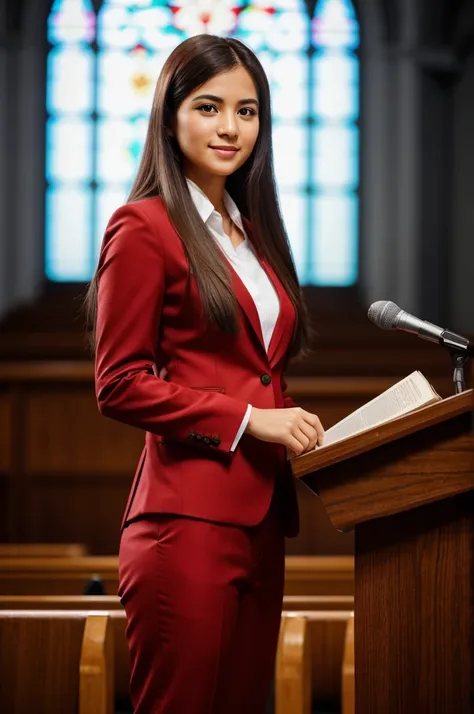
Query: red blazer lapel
(247, 304)
(283, 330)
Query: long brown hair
(252, 186)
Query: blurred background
(373, 106)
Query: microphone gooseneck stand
(460, 351)
(459, 359)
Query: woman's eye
(206, 107)
(251, 112)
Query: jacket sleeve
(131, 288)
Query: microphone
(389, 316)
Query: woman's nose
(228, 124)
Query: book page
(405, 396)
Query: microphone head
(384, 314)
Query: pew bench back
(53, 662)
(315, 663)
(325, 638)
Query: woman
(199, 309)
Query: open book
(405, 396)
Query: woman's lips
(225, 153)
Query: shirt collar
(206, 209)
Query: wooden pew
(324, 630)
(52, 662)
(313, 660)
(293, 667)
(42, 550)
(109, 603)
(299, 648)
(305, 575)
(308, 582)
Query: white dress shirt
(245, 263)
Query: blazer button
(265, 379)
(206, 440)
(198, 437)
(192, 435)
(215, 440)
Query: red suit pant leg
(203, 604)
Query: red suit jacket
(191, 418)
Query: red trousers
(203, 604)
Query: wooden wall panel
(5, 430)
(77, 509)
(4, 501)
(66, 435)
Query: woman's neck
(213, 187)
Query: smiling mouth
(225, 154)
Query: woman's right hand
(294, 427)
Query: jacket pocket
(211, 389)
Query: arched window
(102, 68)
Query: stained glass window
(102, 68)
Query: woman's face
(222, 112)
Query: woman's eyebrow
(219, 100)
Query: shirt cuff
(242, 427)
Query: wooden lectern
(407, 488)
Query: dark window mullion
(309, 188)
(94, 149)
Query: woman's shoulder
(152, 207)
(144, 223)
(146, 214)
